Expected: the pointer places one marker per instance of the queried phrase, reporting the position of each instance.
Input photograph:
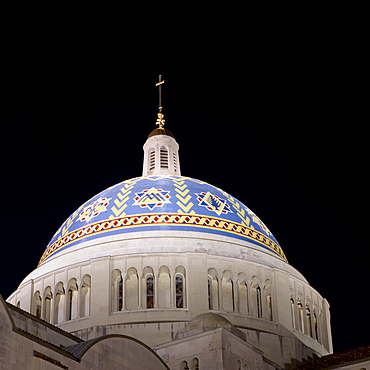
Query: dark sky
(277, 128)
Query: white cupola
(161, 152)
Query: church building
(163, 271)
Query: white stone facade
(257, 292)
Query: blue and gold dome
(162, 199)
(162, 202)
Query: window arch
(148, 287)
(164, 157)
(85, 296)
(132, 289)
(151, 159)
(48, 296)
(315, 325)
(292, 310)
(242, 292)
(164, 287)
(308, 321)
(184, 365)
(37, 304)
(227, 290)
(117, 290)
(59, 303)
(180, 276)
(268, 299)
(195, 364)
(300, 317)
(256, 302)
(72, 299)
(213, 303)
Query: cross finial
(160, 120)
(160, 82)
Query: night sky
(276, 129)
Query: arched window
(268, 299)
(85, 296)
(117, 290)
(132, 289)
(212, 290)
(37, 304)
(292, 309)
(194, 364)
(72, 299)
(164, 287)
(180, 287)
(300, 317)
(242, 290)
(259, 302)
(148, 287)
(164, 157)
(59, 303)
(179, 281)
(48, 295)
(315, 325)
(308, 321)
(227, 292)
(184, 365)
(256, 302)
(151, 159)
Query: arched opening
(164, 157)
(180, 275)
(194, 364)
(151, 159)
(213, 303)
(268, 300)
(117, 290)
(292, 311)
(85, 296)
(132, 289)
(242, 289)
(308, 321)
(37, 304)
(72, 299)
(256, 302)
(148, 287)
(184, 365)
(300, 317)
(59, 303)
(48, 295)
(227, 292)
(164, 287)
(315, 326)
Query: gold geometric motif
(183, 197)
(69, 222)
(239, 211)
(123, 197)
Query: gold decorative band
(124, 224)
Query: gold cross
(160, 120)
(160, 82)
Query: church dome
(161, 131)
(163, 257)
(162, 203)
